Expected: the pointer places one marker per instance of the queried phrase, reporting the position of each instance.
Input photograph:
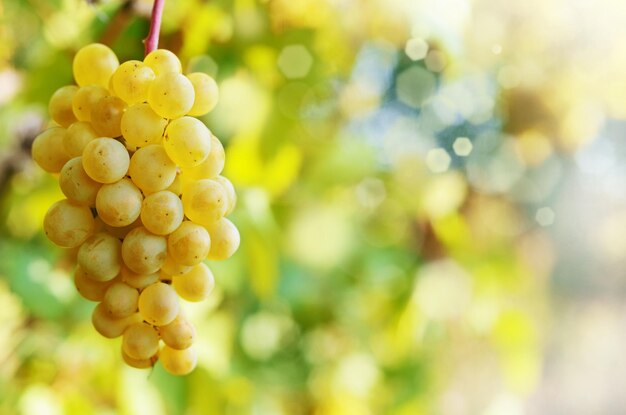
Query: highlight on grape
(145, 202)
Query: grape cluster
(145, 202)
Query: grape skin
(143, 252)
(76, 185)
(178, 362)
(195, 285)
(68, 225)
(158, 304)
(100, 256)
(48, 151)
(105, 160)
(119, 204)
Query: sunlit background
(432, 202)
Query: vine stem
(152, 41)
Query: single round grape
(141, 126)
(100, 256)
(171, 95)
(105, 160)
(195, 285)
(178, 362)
(89, 288)
(111, 327)
(158, 304)
(119, 204)
(171, 267)
(76, 185)
(106, 116)
(67, 224)
(77, 136)
(212, 166)
(138, 281)
(162, 212)
(85, 99)
(163, 61)
(94, 64)
(48, 151)
(225, 239)
(179, 334)
(206, 93)
(189, 244)
(139, 363)
(230, 193)
(140, 341)
(121, 300)
(60, 105)
(205, 201)
(151, 169)
(131, 81)
(187, 141)
(143, 252)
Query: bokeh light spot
(462, 146)
(414, 85)
(295, 61)
(416, 49)
(438, 160)
(545, 216)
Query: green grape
(163, 61)
(109, 326)
(131, 81)
(100, 256)
(47, 150)
(206, 93)
(230, 193)
(141, 126)
(119, 204)
(144, 252)
(85, 99)
(158, 304)
(68, 225)
(139, 363)
(106, 116)
(171, 95)
(178, 362)
(205, 201)
(195, 285)
(121, 300)
(224, 239)
(76, 185)
(138, 281)
(140, 341)
(179, 334)
(60, 105)
(94, 64)
(212, 166)
(162, 212)
(105, 160)
(171, 267)
(189, 244)
(77, 136)
(89, 288)
(151, 169)
(187, 141)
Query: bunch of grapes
(145, 202)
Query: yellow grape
(151, 169)
(162, 212)
(119, 232)
(131, 81)
(195, 285)
(138, 281)
(105, 160)
(171, 95)
(212, 166)
(139, 363)
(158, 304)
(206, 93)
(177, 185)
(140, 341)
(141, 126)
(77, 136)
(120, 300)
(106, 116)
(94, 64)
(144, 252)
(171, 267)
(60, 105)
(119, 204)
(68, 225)
(178, 362)
(89, 288)
(76, 185)
(205, 201)
(100, 256)
(189, 244)
(47, 150)
(179, 334)
(225, 239)
(163, 61)
(187, 141)
(111, 327)
(230, 193)
(85, 99)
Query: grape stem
(152, 41)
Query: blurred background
(432, 202)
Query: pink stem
(152, 41)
